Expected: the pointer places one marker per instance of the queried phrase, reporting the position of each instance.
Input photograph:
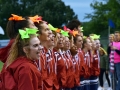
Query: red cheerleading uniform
(42, 67)
(48, 70)
(82, 64)
(61, 69)
(87, 64)
(76, 67)
(5, 50)
(51, 70)
(90, 56)
(69, 70)
(95, 65)
(22, 74)
(83, 67)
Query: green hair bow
(64, 33)
(92, 37)
(96, 36)
(84, 37)
(81, 29)
(52, 28)
(25, 33)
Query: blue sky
(80, 7)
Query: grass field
(1, 64)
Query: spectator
(104, 68)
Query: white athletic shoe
(109, 88)
(101, 88)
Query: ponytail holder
(74, 33)
(64, 33)
(25, 33)
(84, 37)
(52, 28)
(16, 18)
(36, 18)
(58, 30)
(81, 29)
(96, 36)
(92, 37)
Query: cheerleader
(86, 47)
(13, 25)
(78, 42)
(75, 25)
(95, 68)
(69, 63)
(20, 70)
(104, 68)
(60, 61)
(76, 62)
(49, 69)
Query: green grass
(1, 65)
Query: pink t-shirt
(116, 55)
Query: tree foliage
(53, 11)
(102, 11)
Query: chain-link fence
(104, 42)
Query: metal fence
(104, 42)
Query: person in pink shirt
(115, 47)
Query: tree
(19, 7)
(102, 12)
(53, 11)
